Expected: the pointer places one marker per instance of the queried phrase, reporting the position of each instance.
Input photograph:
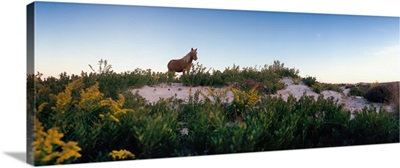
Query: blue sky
(333, 48)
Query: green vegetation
(266, 78)
(309, 81)
(358, 89)
(101, 120)
(318, 87)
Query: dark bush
(378, 94)
(309, 81)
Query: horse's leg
(188, 67)
(187, 70)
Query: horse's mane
(186, 58)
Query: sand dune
(154, 93)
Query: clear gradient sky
(332, 48)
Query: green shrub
(333, 87)
(378, 94)
(278, 123)
(157, 134)
(279, 68)
(371, 127)
(202, 125)
(309, 81)
(359, 89)
(197, 76)
(329, 122)
(267, 77)
(241, 137)
(317, 87)
(355, 91)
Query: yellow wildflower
(121, 154)
(39, 129)
(69, 150)
(121, 100)
(46, 144)
(54, 136)
(50, 157)
(237, 98)
(155, 76)
(63, 99)
(41, 106)
(116, 106)
(62, 102)
(90, 97)
(252, 96)
(246, 98)
(114, 118)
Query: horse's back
(174, 65)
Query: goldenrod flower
(155, 76)
(90, 97)
(121, 154)
(54, 136)
(116, 106)
(246, 98)
(69, 150)
(50, 157)
(114, 118)
(46, 144)
(63, 99)
(41, 106)
(237, 98)
(39, 129)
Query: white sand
(154, 93)
(352, 103)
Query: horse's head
(193, 54)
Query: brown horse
(183, 64)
